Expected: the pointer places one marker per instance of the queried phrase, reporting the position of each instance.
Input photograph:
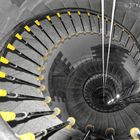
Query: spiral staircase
(51, 50)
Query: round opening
(103, 99)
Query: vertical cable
(103, 66)
(110, 37)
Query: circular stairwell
(61, 41)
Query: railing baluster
(4, 93)
(106, 25)
(79, 14)
(59, 17)
(12, 79)
(27, 28)
(5, 61)
(135, 54)
(41, 28)
(69, 14)
(89, 130)
(131, 48)
(20, 38)
(45, 134)
(137, 61)
(89, 18)
(50, 21)
(121, 35)
(14, 50)
(127, 41)
(113, 32)
(98, 18)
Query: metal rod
(41, 28)
(50, 131)
(90, 22)
(73, 23)
(131, 48)
(127, 41)
(135, 54)
(137, 61)
(22, 69)
(30, 115)
(103, 57)
(110, 37)
(82, 22)
(113, 31)
(121, 35)
(55, 29)
(86, 135)
(35, 37)
(98, 17)
(41, 113)
(63, 25)
(106, 25)
(20, 81)
(31, 47)
(22, 96)
(26, 57)
(112, 138)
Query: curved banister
(20, 27)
